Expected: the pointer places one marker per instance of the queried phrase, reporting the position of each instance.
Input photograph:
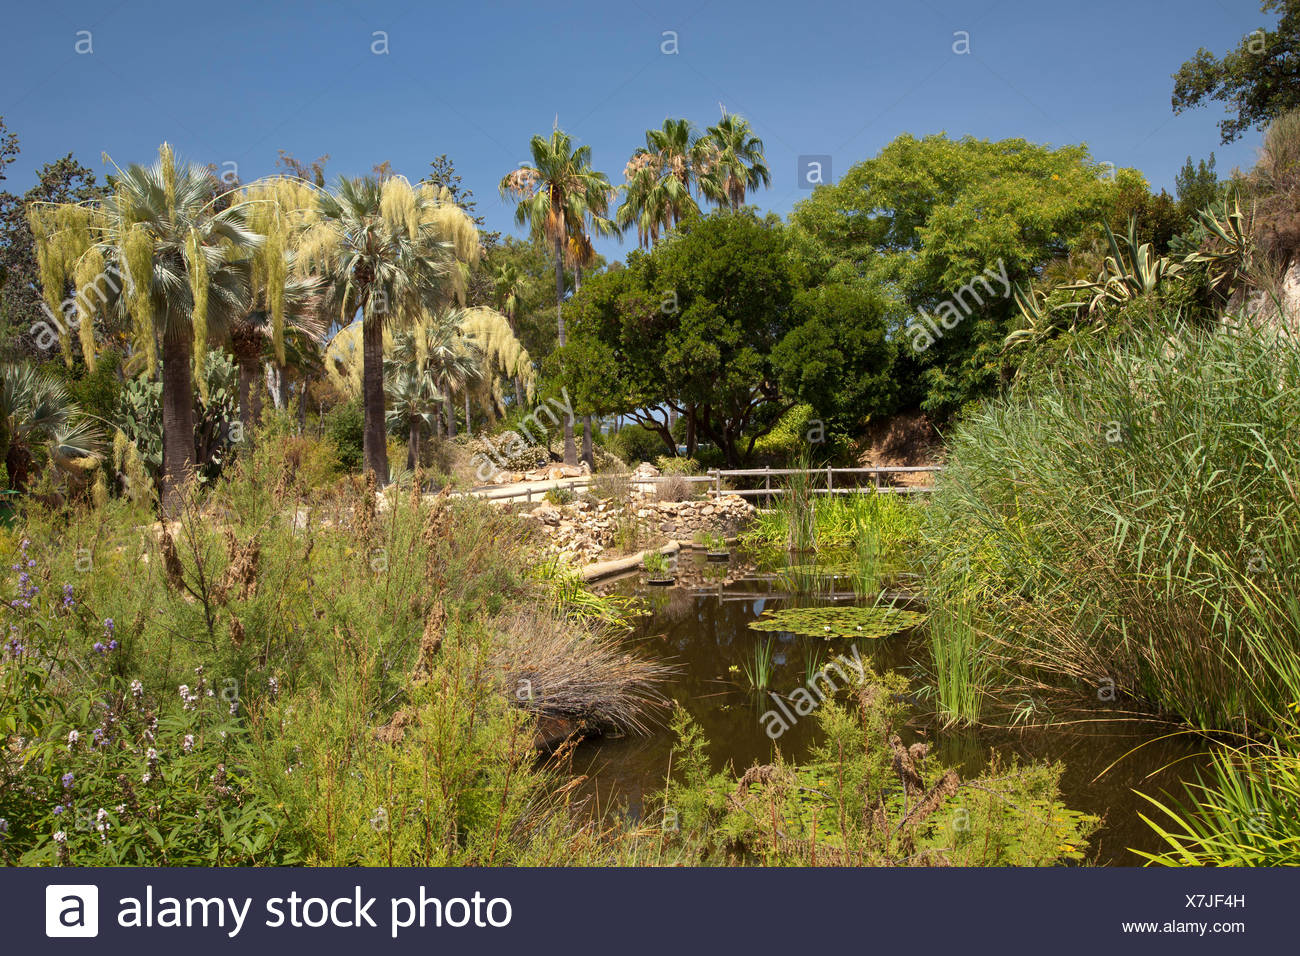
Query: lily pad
(833, 622)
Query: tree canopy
(953, 225)
(1258, 80)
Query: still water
(700, 626)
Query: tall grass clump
(1134, 523)
(962, 667)
(1242, 814)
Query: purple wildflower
(67, 779)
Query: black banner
(648, 911)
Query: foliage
(63, 181)
(677, 465)
(1243, 815)
(1257, 80)
(839, 522)
(657, 565)
(393, 252)
(758, 668)
(560, 496)
(838, 358)
(347, 651)
(41, 425)
(693, 324)
(1131, 520)
(926, 218)
(635, 443)
(96, 772)
(139, 417)
(864, 799)
(344, 425)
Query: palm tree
(511, 287)
(38, 418)
(581, 255)
(163, 251)
(660, 179)
(391, 251)
(453, 348)
(252, 340)
(732, 162)
(556, 196)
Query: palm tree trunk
(570, 450)
(468, 429)
(374, 443)
(178, 420)
(449, 409)
(413, 444)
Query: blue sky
(235, 82)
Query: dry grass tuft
(560, 669)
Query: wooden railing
(716, 477)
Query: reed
(1135, 523)
(758, 666)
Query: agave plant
(1131, 270)
(1225, 247)
(39, 422)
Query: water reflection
(701, 626)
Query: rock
(646, 470)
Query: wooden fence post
(829, 481)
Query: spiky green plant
(39, 423)
(1135, 520)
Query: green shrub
(863, 799)
(635, 443)
(345, 427)
(677, 465)
(560, 496)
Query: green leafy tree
(1258, 80)
(838, 358)
(1197, 187)
(949, 228)
(689, 327)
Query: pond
(701, 627)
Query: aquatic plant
(961, 665)
(758, 666)
(864, 798)
(1242, 815)
(657, 566)
(841, 621)
(711, 541)
(838, 523)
